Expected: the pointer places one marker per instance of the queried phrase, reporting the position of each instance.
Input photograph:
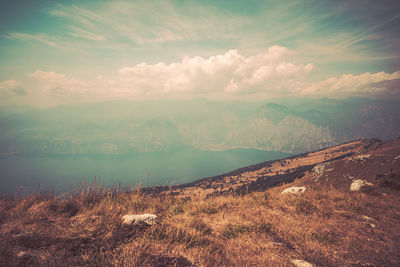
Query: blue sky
(55, 52)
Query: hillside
(337, 165)
(237, 219)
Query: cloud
(391, 87)
(360, 85)
(58, 84)
(12, 87)
(227, 75)
(77, 32)
(230, 73)
(147, 22)
(41, 38)
(367, 35)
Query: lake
(26, 173)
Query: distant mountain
(123, 127)
(15, 109)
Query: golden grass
(325, 226)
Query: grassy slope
(324, 226)
(327, 226)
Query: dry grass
(324, 226)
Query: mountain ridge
(123, 127)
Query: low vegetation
(323, 226)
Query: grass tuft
(233, 230)
(200, 226)
(303, 205)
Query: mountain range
(125, 127)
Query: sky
(62, 52)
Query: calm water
(26, 173)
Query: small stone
(301, 263)
(368, 218)
(361, 158)
(294, 190)
(146, 218)
(357, 184)
(21, 254)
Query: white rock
(146, 218)
(319, 170)
(357, 184)
(361, 158)
(368, 218)
(301, 263)
(21, 254)
(294, 190)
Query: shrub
(69, 207)
(325, 238)
(354, 206)
(208, 209)
(392, 182)
(262, 228)
(262, 199)
(200, 226)
(176, 210)
(234, 230)
(303, 206)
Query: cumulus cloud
(230, 72)
(57, 83)
(12, 87)
(363, 84)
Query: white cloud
(149, 22)
(12, 87)
(41, 37)
(348, 84)
(77, 32)
(225, 75)
(230, 73)
(58, 84)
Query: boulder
(357, 184)
(301, 263)
(146, 218)
(295, 190)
